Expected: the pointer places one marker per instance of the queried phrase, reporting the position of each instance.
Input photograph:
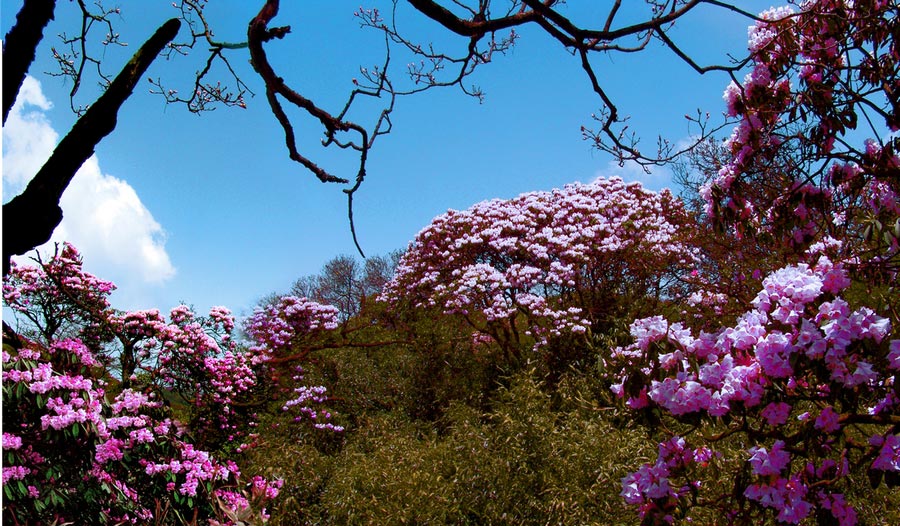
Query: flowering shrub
(73, 451)
(82, 444)
(277, 328)
(551, 261)
(796, 169)
(806, 378)
(279, 332)
(58, 300)
(807, 381)
(193, 357)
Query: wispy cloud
(103, 215)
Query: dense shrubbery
(132, 440)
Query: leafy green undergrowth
(522, 454)
(493, 448)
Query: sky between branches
(209, 210)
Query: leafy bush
(527, 460)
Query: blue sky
(209, 210)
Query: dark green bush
(521, 462)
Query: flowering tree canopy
(562, 261)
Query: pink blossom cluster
(276, 327)
(801, 364)
(800, 344)
(303, 397)
(532, 255)
(246, 507)
(60, 277)
(652, 488)
(67, 437)
(194, 465)
(795, 165)
(192, 355)
(75, 408)
(55, 297)
(278, 333)
(192, 349)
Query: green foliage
(532, 458)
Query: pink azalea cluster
(278, 332)
(276, 327)
(305, 395)
(533, 255)
(61, 278)
(800, 365)
(793, 165)
(800, 344)
(70, 410)
(56, 298)
(70, 438)
(652, 488)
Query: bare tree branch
(276, 89)
(613, 135)
(31, 217)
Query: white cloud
(28, 138)
(102, 215)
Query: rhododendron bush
(81, 442)
(814, 152)
(806, 381)
(547, 263)
(280, 332)
(810, 381)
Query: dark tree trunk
(31, 217)
(19, 47)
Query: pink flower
(770, 462)
(827, 420)
(776, 413)
(11, 441)
(894, 355)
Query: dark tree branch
(613, 135)
(361, 140)
(476, 27)
(79, 57)
(19, 47)
(32, 216)
(204, 94)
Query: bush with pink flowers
(84, 443)
(527, 270)
(806, 379)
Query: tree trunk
(19, 47)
